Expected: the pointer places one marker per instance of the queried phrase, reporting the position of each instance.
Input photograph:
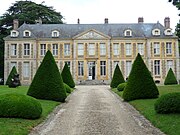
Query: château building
(92, 50)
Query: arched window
(156, 32)
(128, 33)
(55, 33)
(26, 33)
(14, 33)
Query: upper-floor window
(128, 49)
(102, 49)
(116, 48)
(26, 33)
(168, 48)
(14, 33)
(128, 33)
(156, 32)
(42, 49)
(55, 33)
(13, 49)
(168, 32)
(55, 49)
(91, 49)
(156, 48)
(66, 49)
(140, 47)
(26, 49)
(80, 49)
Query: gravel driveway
(95, 110)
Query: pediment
(91, 34)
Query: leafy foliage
(170, 78)
(117, 77)
(13, 71)
(121, 86)
(67, 77)
(168, 103)
(47, 83)
(19, 106)
(68, 89)
(140, 83)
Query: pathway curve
(95, 110)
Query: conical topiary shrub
(170, 78)
(67, 77)
(140, 83)
(47, 83)
(11, 75)
(117, 77)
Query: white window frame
(168, 48)
(91, 49)
(157, 67)
(128, 33)
(67, 49)
(14, 49)
(128, 49)
(128, 67)
(116, 48)
(80, 68)
(156, 32)
(169, 65)
(102, 49)
(156, 48)
(55, 33)
(26, 69)
(42, 49)
(55, 49)
(103, 68)
(26, 33)
(14, 33)
(140, 47)
(80, 49)
(26, 49)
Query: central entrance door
(91, 70)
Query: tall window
(91, 49)
(115, 63)
(13, 49)
(140, 47)
(43, 49)
(80, 68)
(157, 67)
(68, 63)
(116, 48)
(26, 49)
(128, 67)
(128, 49)
(55, 49)
(169, 65)
(168, 48)
(80, 49)
(102, 49)
(26, 69)
(13, 64)
(156, 48)
(103, 67)
(66, 49)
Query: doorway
(91, 70)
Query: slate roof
(139, 30)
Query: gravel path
(95, 110)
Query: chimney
(78, 21)
(140, 20)
(106, 20)
(167, 22)
(15, 24)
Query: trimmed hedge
(68, 89)
(140, 84)
(168, 103)
(67, 77)
(121, 86)
(47, 83)
(19, 106)
(170, 78)
(117, 77)
(11, 75)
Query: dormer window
(14, 33)
(128, 33)
(55, 33)
(168, 32)
(26, 33)
(156, 32)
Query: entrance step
(93, 82)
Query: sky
(117, 11)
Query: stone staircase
(92, 82)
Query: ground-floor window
(68, 63)
(169, 65)
(26, 69)
(128, 67)
(157, 67)
(80, 68)
(116, 63)
(103, 68)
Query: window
(80, 49)
(26, 33)
(55, 49)
(128, 67)
(157, 67)
(26, 49)
(169, 65)
(26, 69)
(68, 63)
(156, 32)
(116, 63)
(66, 49)
(103, 67)
(43, 49)
(128, 33)
(91, 49)
(168, 48)
(80, 68)
(168, 32)
(116, 48)
(55, 33)
(156, 48)
(140, 48)
(13, 64)
(128, 49)
(14, 33)
(13, 49)
(102, 49)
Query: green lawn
(16, 126)
(168, 123)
